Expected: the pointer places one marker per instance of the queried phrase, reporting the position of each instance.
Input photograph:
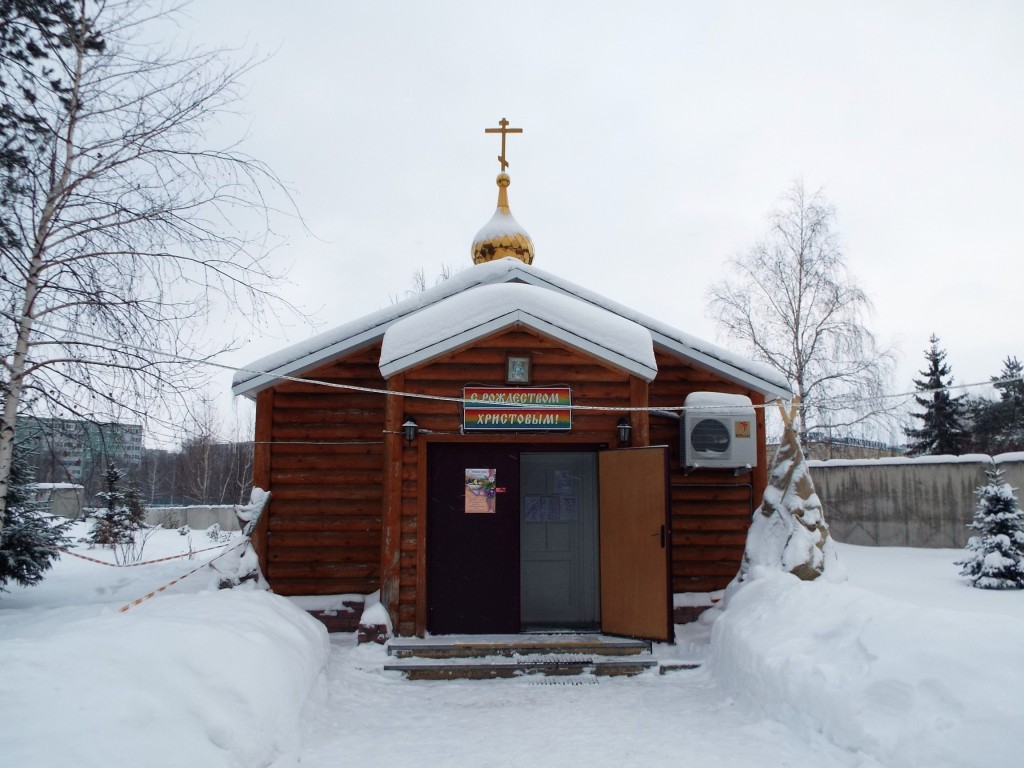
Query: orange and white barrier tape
(158, 590)
(144, 562)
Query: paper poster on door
(549, 509)
(480, 490)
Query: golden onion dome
(502, 236)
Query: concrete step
(469, 646)
(490, 668)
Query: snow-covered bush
(30, 538)
(215, 534)
(995, 558)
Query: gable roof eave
(739, 376)
(762, 379)
(520, 318)
(304, 356)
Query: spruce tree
(942, 430)
(115, 523)
(30, 538)
(995, 558)
(997, 426)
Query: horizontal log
(328, 432)
(312, 461)
(708, 539)
(357, 384)
(496, 355)
(685, 523)
(721, 508)
(702, 554)
(311, 570)
(517, 340)
(368, 557)
(362, 418)
(327, 492)
(364, 362)
(327, 541)
(421, 407)
(495, 374)
(324, 507)
(280, 524)
(326, 449)
(329, 399)
(705, 477)
(336, 476)
(739, 497)
(291, 586)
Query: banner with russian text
(515, 409)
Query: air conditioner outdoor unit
(719, 431)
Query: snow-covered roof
(485, 310)
(316, 351)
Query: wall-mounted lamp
(410, 428)
(624, 428)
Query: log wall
(711, 508)
(326, 473)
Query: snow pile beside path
(217, 678)
(907, 684)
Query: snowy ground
(902, 666)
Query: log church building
(508, 451)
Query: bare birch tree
(792, 303)
(126, 226)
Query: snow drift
(906, 684)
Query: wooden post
(760, 474)
(639, 397)
(261, 463)
(391, 513)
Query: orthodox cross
(503, 130)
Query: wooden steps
(478, 658)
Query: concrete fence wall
(198, 517)
(921, 502)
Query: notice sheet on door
(480, 490)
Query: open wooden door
(636, 599)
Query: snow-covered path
(680, 719)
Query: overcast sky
(657, 137)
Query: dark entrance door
(558, 538)
(472, 557)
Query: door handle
(662, 534)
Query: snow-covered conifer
(30, 538)
(995, 558)
(788, 531)
(942, 429)
(121, 515)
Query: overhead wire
(839, 401)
